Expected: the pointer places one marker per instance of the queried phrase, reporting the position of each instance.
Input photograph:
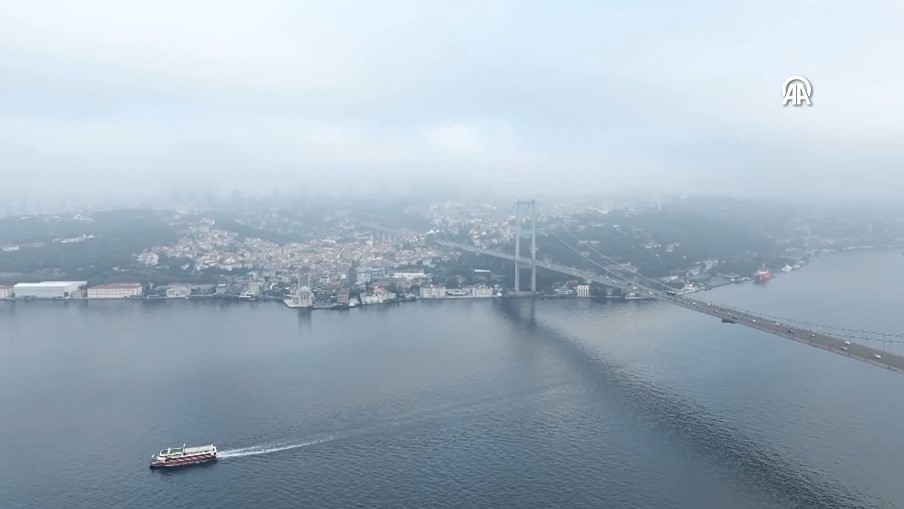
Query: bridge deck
(809, 337)
(801, 335)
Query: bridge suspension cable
(850, 333)
(612, 260)
(830, 342)
(608, 271)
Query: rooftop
(115, 286)
(50, 284)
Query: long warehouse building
(49, 290)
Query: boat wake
(266, 449)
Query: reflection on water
(495, 403)
(305, 323)
(685, 421)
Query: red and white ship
(180, 456)
(762, 275)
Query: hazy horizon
(110, 97)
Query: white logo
(796, 89)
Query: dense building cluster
(257, 255)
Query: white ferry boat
(179, 456)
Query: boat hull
(182, 462)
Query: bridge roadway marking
(805, 336)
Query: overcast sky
(555, 96)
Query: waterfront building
(433, 292)
(303, 298)
(583, 291)
(253, 287)
(379, 295)
(50, 290)
(481, 291)
(6, 292)
(369, 299)
(384, 293)
(116, 291)
(202, 288)
(177, 291)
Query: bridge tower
(522, 210)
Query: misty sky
(565, 97)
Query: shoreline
(280, 300)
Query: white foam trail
(266, 449)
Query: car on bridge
(877, 356)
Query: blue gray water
(512, 403)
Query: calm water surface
(550, 403)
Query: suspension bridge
(848, 342)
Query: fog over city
(505, 254)
(108, 96)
